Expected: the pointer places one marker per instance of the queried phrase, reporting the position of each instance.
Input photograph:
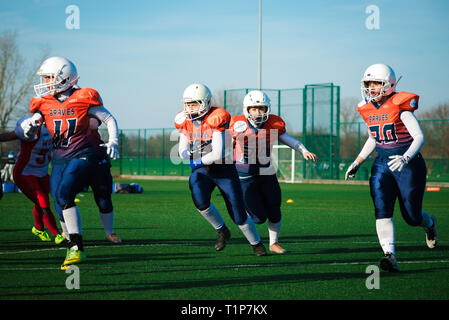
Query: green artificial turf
(168, 250)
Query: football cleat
(73, 256)
(223, 236)
(43, 235)
(389, 263)
(114, 238)
(276, 248)
(59, 238)
(431, 234)
(259, 249)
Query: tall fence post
(331, 135)
(163, 151)
(304, 126)
(337, 153)
(144, 151)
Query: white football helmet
(62, 73)
(379, 73)
(197, 93)
(256, 98)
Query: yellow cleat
(43, 235)
(59, 238)
(73, 257)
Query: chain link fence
(312, 115)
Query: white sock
(385, 233)
(273, 231)
(108, 222)
(427, 221)
(72, 220)
(64, 229)
(212, 215)
(249, 231)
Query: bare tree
(15, 79)
(435, 124)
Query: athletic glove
(196, 163)
(350, 173)
(397, 162)
(111, 149)
(185, 154)
(29, 128)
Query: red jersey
(68, 121)
(252, 146)
(34, 156)
(384, 122)
(199, 133)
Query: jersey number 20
(385, 132)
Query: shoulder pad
(406, 101)
(240, 126)
(276, 122)
(234, 119)
(361, 103)
(218, 118)
(180, 119)
(35, 104)
(90, 95)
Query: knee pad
(105, 205)
(64, 199)
(258, 220)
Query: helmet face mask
(56, 75)
(196, 101)
(374, 94)
(256, 99)
(257, 118)
(382, 74)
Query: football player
(103, 192)
(202, 135)
(77, 158)
(254, 134)
(31, 177)
(399, 170)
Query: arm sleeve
(183, 147)
(292, 143)
(369, 147)
(413, 127)
(102, 114)
(217, 148)
(8, 136)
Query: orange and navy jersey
(199, 133)
(384, 122)
(252, 146)
(68, 121)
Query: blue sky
(140, 55)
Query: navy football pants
(203, 181)
(70, 178)
(262, 196)
(408, 186)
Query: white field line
(234, 266)
(222, 266)
(309, 242)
